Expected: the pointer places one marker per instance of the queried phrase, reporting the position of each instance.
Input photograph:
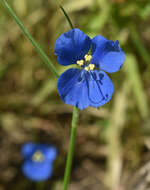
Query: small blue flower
(90, 85)
(38, 160)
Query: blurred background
(113, 142)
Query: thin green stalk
(40, 185)
(67, 17)
(30, 38)
(75, 115)
(75, 118)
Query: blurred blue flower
(90, 85)
(38, 160)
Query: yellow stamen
(86, 68)
(91, 66)
(80, 62)
(87, 57)
(38, 156)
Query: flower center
(88, 57)
(38, 156)
(86, 63)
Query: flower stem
(67, 17)
(40, 185)
(75, 118)
(45, 58)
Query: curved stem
(75, 118)
(67, 17)
(30, 38)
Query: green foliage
(29, 101)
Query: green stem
(30, 38)
(40, 185)
(75, 118)
(67, 17)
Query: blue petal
(83, 89)
(37, 171)
(72, 88)
(100, 88)
(107, 55)
(72, 46)
(49, 152)
(98, 41)
(27, 149)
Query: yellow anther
(80, 62)
(91, 66)
(86, 68)
(88, 57)
(38, 156)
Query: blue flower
(38, 161)
(89, 85)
